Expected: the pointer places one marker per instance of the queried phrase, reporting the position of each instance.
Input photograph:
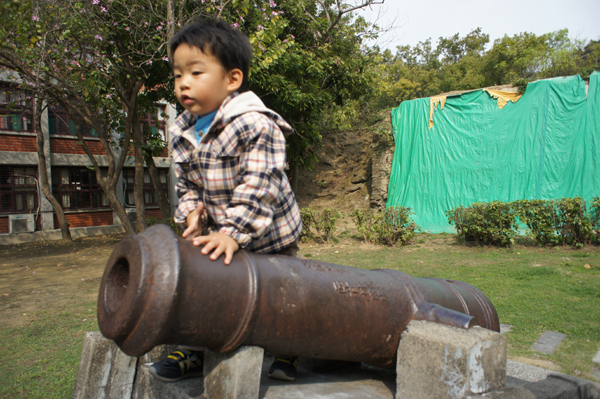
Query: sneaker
(177, 366)
(284, 368)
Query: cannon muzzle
(159, 289)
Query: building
(25, 213)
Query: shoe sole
(280, 375)
(190, 374)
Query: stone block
(561, 386)
(436, 361)
(234, 375)
(596, 358)
(104, 371)
(548, 342)
(506, 393)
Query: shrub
(595, 219)
(573, 224)
(326, 223)
(485, 223)
(323, 223)
(540, 218)
(365, 224)
(394, 226)
(308, 223)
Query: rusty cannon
(159, 289)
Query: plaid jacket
(237, 171)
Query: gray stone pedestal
(104, 371)
(234, 375)
(436, 361)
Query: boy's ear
(236, 77)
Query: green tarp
(544, 146)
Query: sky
(417, 20)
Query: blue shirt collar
(203, 123)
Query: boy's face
(201, 82)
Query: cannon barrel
(159, 289)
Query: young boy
(229, 156)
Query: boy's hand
(218, 243)
(194, 220)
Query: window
(18, 189)
(150, 196)
(59, 122)
(77, 187)
(16, 109)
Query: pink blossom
(235, 25)
(56, 27)
(260, 27)
(98, 37)
(102, 9)
(159, 27)
(127, 28)
(272, 4)
(165, 59)
(146, 23)
(96, 2)
(274, 14)
(115, 24)
(35, 18)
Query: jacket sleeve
(249, 215)
(190, 194)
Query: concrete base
(436, 361)
(106, 372)
(234, 375)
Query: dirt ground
(50, 275)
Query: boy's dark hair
(215, 37)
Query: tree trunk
(60, 214)
(140, 207)
(294, 179)
(119, 209)
(163, 201)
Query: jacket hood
(235, 105)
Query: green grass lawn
(533, 289)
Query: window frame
(60, 123)
(149, 190)
(82, 191)
(16, 107)
(11, 189)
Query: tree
(104, 61)
(318, 68)
(45, 183)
